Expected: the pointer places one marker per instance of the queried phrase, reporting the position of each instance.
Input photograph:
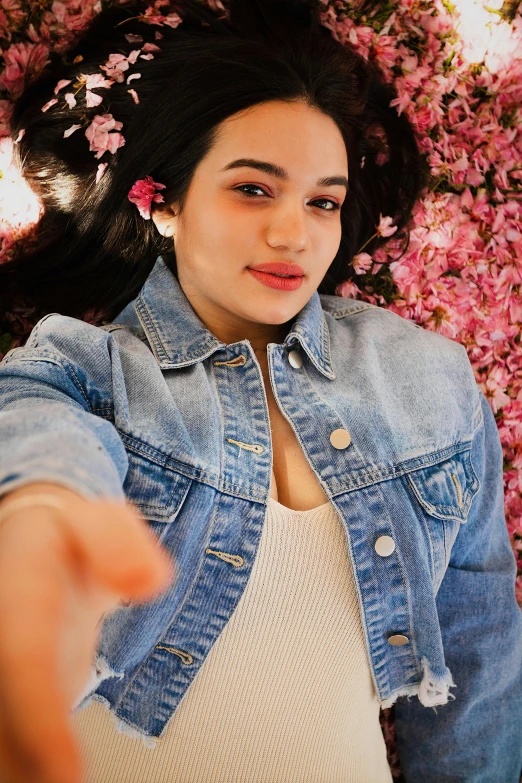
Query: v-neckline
(294, 511)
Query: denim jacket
(155, 409)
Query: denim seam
(65, 365)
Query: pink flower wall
(458, 74)
(457, 69)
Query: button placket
(385, 545)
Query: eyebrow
(280, 173)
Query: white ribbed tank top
(285, 694)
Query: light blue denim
(156, 409)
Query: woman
(324, 477)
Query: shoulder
(385, 325)
(75, 338)
(62, 331)
(392, 347)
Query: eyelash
(250, 195)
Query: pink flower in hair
(143, 193)
(99, 137)
(385, 228)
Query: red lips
(280, 268)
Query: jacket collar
(179, 338)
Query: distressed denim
(155, 409)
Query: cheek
(330, 247)
(225, 229)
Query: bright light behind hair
(485, 36)
(20, 208)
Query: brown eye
(335, 205)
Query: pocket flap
(157, 491)
(446, 490)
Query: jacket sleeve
(57, 408)
(477, 736)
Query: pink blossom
(143, 193)
(12, 16)
(16, 59)
(361, 263)
(93, 81)
(115, 65)
(99, 136)
(92, 99)
(385, 229)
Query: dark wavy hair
(91, 251)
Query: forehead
(295, 138)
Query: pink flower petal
(49, 104)
(61, 83)
(70, 130)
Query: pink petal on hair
(150, 47)
(71, 100)
(133, 76)
(134, 96)
(61, 83)
(20, 136)
(100, 171)
(116, 140)
(115, 58)
(49, 104)
(146, 56)
(96, 80)
(132, 38)
(99, 137)
(133, 56)
(70, 130)
(173, 20)
(91, 99)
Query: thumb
(119, 550)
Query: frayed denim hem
(431, 691)
(100, 670)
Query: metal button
(384, 546)
(398, 640)
(340, 439)
(295, 359)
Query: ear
(165, 220)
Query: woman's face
(221, 231)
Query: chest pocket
(158, 491)
(445, 492)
